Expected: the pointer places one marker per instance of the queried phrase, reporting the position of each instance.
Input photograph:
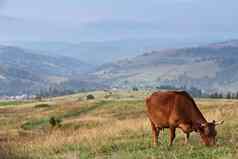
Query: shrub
(135, 89)
(55, 122)
(90, 97)
(42, 106)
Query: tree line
(57, 90)
(228, 95)
(196, 92)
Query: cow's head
(208, 132)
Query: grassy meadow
(112, 126)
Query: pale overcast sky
(88, 10)
(118, 19)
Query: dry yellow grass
(105, 127)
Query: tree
(220, 95)
(195, 92)
(228, 95)
(135, 89)
(236, 95)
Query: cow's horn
(219, 123)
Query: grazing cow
(177, 109)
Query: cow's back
(166, 108)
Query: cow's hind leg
(172, 135)
(186, 138)
(155, 133)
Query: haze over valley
(209, 67)
(61, 45)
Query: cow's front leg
(172, 135)
(186, 129)
(155, 133)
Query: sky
(95, 20)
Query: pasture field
(112, 126)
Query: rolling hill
(100, 52)
(212, 67)
(25, 72)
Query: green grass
(35, 123)
(139, 147)
(116, 128)
(13, 103)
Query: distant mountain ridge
(25, 72)
(209, 67)
(100, 52)
(212, 67)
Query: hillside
(100, 52)
(24, 72)
(111, 126)
(210, 67)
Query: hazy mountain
(98, 53)
(15, 28)
(24, 72)
(210, 67)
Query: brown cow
(177, 109)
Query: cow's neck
(198, 117)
